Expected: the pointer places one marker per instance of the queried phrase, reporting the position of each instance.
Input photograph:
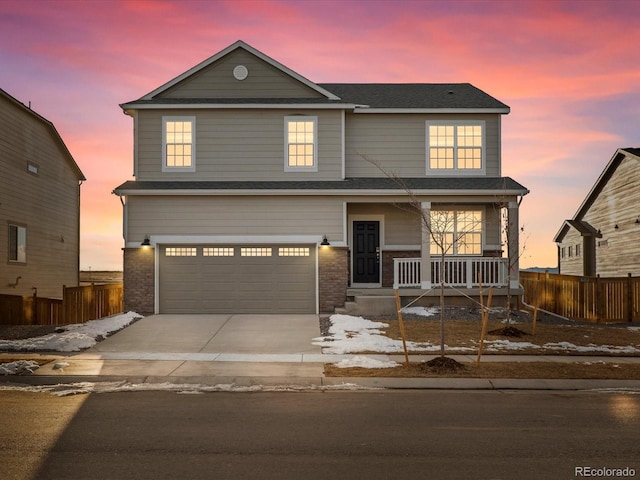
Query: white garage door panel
(238, 284)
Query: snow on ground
(351, 334)
(67, 389)
(421, 311)
(365, 362)
(72, 338)
(19, 367)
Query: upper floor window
(17, 244)
(457, 232)
(455, 147)
(301, 143)
(33, 168)
(178, 140)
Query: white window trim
(457, 171)
(191, 119)
(21, 244)
(306, 118)
(483, 229)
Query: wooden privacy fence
(590, 299)
(78, 305)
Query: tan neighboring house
(252, 194)
(603, 237)
(39, 205)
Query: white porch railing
(457, 272)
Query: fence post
(629, 299)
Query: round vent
(240, 72)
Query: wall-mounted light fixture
(146, 242)
(638, 221)
(616, 227)
(325, 242)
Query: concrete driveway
(215, 333)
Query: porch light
(146, 242)
(325, 242)
(616, 227)
(638, 221)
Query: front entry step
(369, 305)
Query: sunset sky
(570, 71)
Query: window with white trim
(178, 144)
(455, 147)
(459, 232)
(301, 143)
(17, 244)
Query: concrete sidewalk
(267, 350)
(286, 370)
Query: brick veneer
(333, 277)
(387, 264)
(138, 278)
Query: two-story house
(39, 205)
(603, 237)
(257, 190)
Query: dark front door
(366, 252)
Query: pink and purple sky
(569, 70)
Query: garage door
(237, 279)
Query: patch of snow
(365, 362)
(421, 311)
(570, 347)
(351, 334)
(633, 329)
(72, 338)
(67, 389)
(18, 367)
(501, 345)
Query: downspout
(80, 182)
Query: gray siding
(239, 145)
(618, 251)
(47, 204)
(398, 142)
(572, 263)
(217, 81)
(246, 216)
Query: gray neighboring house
(603, 237)
(251, 193)
(39, 205)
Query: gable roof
(228, 50)
(597, 188)
(359, 97)
(52, 129)
(584, 228)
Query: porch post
(514, 244)
(425, 247)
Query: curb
(353, 383)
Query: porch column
(425, 247)
(514, 244)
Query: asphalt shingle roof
(489, 184)
(373, 95)
(414, 95)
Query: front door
(366, 252)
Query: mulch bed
(20, 332)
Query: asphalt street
(404, 434)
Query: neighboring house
(39, 205)
(603, 237)
(245, 171)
